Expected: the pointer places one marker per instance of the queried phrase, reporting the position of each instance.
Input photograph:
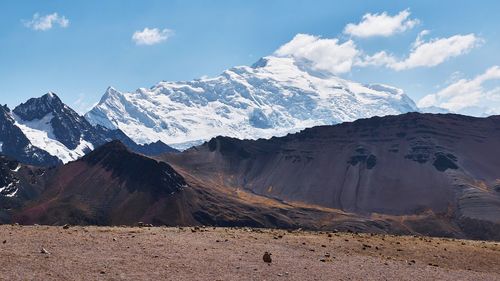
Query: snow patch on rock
(40, 133)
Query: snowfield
(40, 133)
(274, 97)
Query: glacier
(40, 133)
(273, 97)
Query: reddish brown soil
(115, 253)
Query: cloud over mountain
(321, 54)
(381, 24)
(469, 96)
(426, 53)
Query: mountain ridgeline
(366, 162)
(45, 132)
(273, 97)
(441, 167)
(406, 174)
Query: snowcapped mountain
(15, 144)
(273, 97)
(54, 127)
(48, 132)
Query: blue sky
(90, 45)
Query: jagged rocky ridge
(15, 144)
(45, 131)
(273, 97)
(408, 174)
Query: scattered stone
(267, 257)
(66, 226)
(44, 251)
(4, 241)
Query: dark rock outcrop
(17, 146)
(406, 165)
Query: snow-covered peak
(51, 95)
(110, 92)
(274, 96)
(37, 108)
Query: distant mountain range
(44, 131)
(273, 97)
(406, 174)
(253, 164)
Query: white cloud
(437, 51)
(468, 96)
(46, 22)
(381, 58)
(332, 56)
(327, 55)
(426, 54)
(381, 25)
(420, 38)
(151, 36)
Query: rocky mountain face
(114, 186)
(15, 144)
(19, 183)
(66, 125)
(441, 167)
(408, 174)
(273, 97)
(110, 185)
(50, 132)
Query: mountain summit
(44, 131)
(273, 97)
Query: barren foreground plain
(206, 253)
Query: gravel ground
(161, 253)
